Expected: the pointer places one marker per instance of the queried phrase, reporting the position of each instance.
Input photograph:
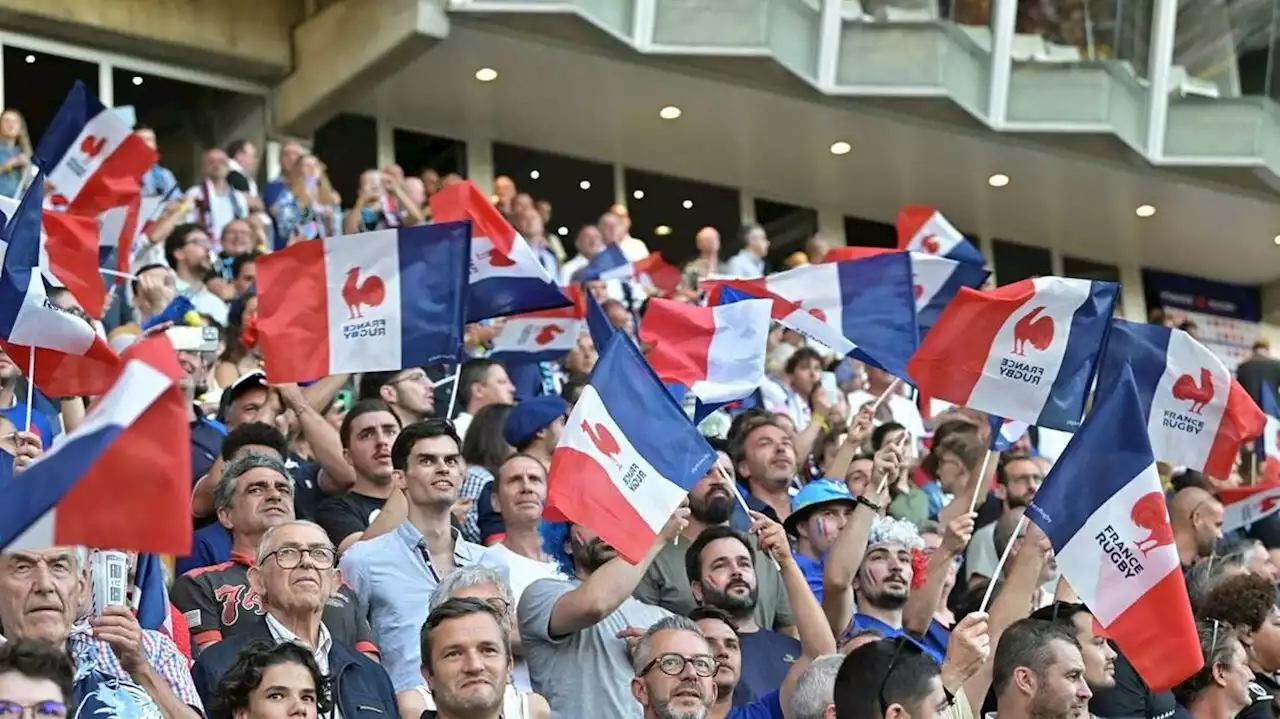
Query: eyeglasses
(704, 665)
(901, 644)
(416, 376)
(499, 605)
(44, 710)
(291, 557)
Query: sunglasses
(40, 710)
(904, 647)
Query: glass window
(1014, 262)
(417, 152)
(788, 227)
(861, 232)
(667, 212)
(347, 145)
(35, 84)
(1089, 270)
(579, 190)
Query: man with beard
(188, 250)
(466, 659)
(1038, 672)
(575, 631)
(766, 465)
(666, 583)
(368, 434)
(1196, 519)
(1018, 478)
(721, 570)
(674, 670)
(395, 574)
(1099, 657)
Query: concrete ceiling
(602, 103)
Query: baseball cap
(243, 383)
(530, 416)
(814, 495)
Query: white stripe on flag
(363, 337)
(735, 359)
(75, 167)
(39, 324)
(138, 387)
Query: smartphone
(831, 385)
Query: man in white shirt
(187, 250)
(481, 382)
(616, 226)
(749, 262)
(216, 201)
(896, 408)
(589, 243)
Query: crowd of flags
(1035, 352)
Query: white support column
(746, 206)
(2, 103)
(1005, 15)
(1159, 68)
(620, 195)
(386, 142)
(106, 84)
(271, 154)
(642, 24)
(831, 226)
(1055, 262)
(988, 248)
(829, 43)
(1133, 294)
(480, 162)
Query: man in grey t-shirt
(570, 629)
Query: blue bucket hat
(816, 494)
(530, 416)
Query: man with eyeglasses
(408, 392)
(674, 671)
(253, 496)
(35, 677)
(294, 577)
(1018, 477)
(395, 574)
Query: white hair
(264, 546)
(888, 530)
(815, 689)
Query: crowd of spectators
(359, 553)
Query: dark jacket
(360, 686)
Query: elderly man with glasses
(295, 576)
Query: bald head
(1196, 518)
(1187, 501)
(707, 240)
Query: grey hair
(264, 546)
(1206, 574)
(225, 490)
(815, 689)
(675, 622)
(473, 576)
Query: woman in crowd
(308, 207)
(1246, 603)
(272, 682)
(1220, 690)
(15, 152)
(241, 355)
(484, 450)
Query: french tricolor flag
(1198, 415)
(628, 456)
(91, 156)
(936, 280)
(505, 276)
(652, 271)
(537, 336)
(1244, 505)
(69, 352)
(1268, 445)
(376, 301)
(1102, 507)
(862, 307)
(69, 255)
(1026, 351)
(122, 479)
(923, 229)
(717, 353)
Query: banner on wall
(1227, 317)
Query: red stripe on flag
(128, 229)
(72, 243)
(664, 276)
(840, 254)
(293, 313)
(465, 201)
(59, 374)
(1158, 634)
(144, 476)
(116, 180)
(910, 219)
(952, 356)
(580, 491)
(1242, 421)
(680, 336)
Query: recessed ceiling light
(638, 194)
(687, 204)
(1145, 211)
(841, 148)
(562, 231)
(534, 174)
(585, 184)
(486, 74)
(670, 112)
(1277, 240)
(31, 59)
(998, 180)
(662, 230)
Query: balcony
(1184, 85)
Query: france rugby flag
(1027, 351)
(923, 229)
(543, 336)
(384, 300)
(505, 276)
(936, 280)
(1103, 509)
(1197, 414)
(628, 457)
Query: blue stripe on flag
(598, 323)
(964, 275)
(153, 602)
(1269, 408)
(22, 255)
(434, 273)
(610, 260)
(1142, 349)
(879, 310)
(77, 110)
(1089, 329)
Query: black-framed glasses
(40, 710)
(291, 557)
(704, 665)
(499, 605)
(903, 643)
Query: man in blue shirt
(818, 513)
